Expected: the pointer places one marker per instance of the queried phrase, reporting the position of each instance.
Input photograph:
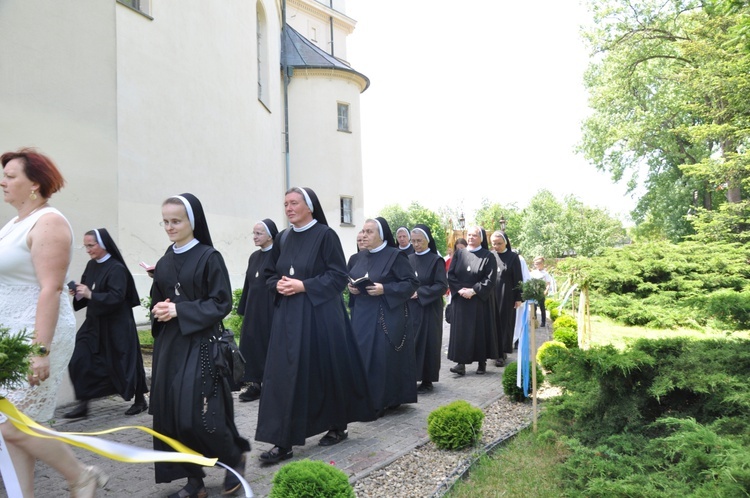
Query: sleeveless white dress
(19, 293)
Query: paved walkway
(370, 445)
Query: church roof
(299, 52)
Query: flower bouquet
(15, 350)
(533, 289)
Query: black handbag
(227, 356)
(449, 312)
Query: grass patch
(526, 466)
(145, 337)
(605, 331)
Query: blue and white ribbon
(523, 377)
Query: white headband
(99, 239)
(308, 201)
(404, 229)
(266, 227)
(380, 229)
(423, 233)
(189, 210)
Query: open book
(361, 283)
(149, 268)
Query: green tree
(540, 227)
(397, 216)
(553, 229)
(489, 215)
(668, 89)
(588, 231)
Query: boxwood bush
(550, 353)
(565, 321)
(566, 335)
(310, 479)
(455, 425)
(510, 388)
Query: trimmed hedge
(310, 479)
(455, 425)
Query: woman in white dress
(35, 253)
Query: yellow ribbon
(110, 449)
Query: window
(346, 211)
(142, 6)
(343, 117)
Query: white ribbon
(110, 449)
(7, 471)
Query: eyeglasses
(173, 223)
(89, 246)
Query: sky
(474, 100)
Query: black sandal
(231, 483)
(191, 491)
(276, 454)
(333, 437)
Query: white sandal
(89, 480)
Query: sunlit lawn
(605, 331)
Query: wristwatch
(43, 351)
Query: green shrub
(566, 335)
(664, 417)
(310, 479)
(565, 321)
(455, 425)
(510, 388)
(15, 350)
(551, 305)
(233, 321)
(550, 353)
(730, 308)
(662, 284)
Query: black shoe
(333, 437)
(499, 362)
(482, 369)
(459, 369)
(276, 454)
(80, 411)
(251, 393)
(138, 407)
(425, 387)
(231, 483)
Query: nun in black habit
(107, 356)
(507, 293)
(314, 380)
(471, 278)
(426, 306)
(190, 401)
(380, 317)
(256, 306)
(403, 241)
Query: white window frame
(347, 210)
(342, 113)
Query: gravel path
(427, 471)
